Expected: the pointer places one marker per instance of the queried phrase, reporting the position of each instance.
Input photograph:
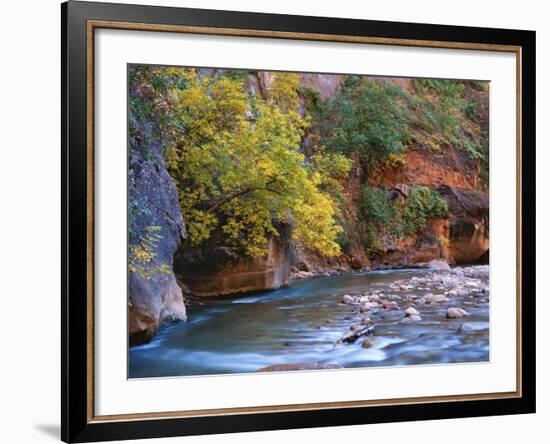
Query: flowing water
(303, 324)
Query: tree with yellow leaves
(237, 163)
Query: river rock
(455, 312)
(471, 327)
(369, 306)
(439, 265)
(347, 299)
(367, 343)
(414, 318)
(411, 311)
(390, 305)
(434, 298)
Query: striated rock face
(451, 167)
(328, 87)
(218, 270)
(468, 224)
(154, 296)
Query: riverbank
(435, 264)
(377, 318)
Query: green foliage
(333, 169)
(371, 238)
(237, 163)
(388, 217)
(143, 252)
(447, 114)
(239, 75)
(484, 162)
(421, 204)
(447, 89)
(377, 119)
(343, 240)
(376, 207)
(381, 215)
(471, 109)
(439, 105)
(367, 118)
(311, 97)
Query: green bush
(381, 216)
(377, 209)
(439, 105)
(421, 205)
(367, 118)
(384, 217)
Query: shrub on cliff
(384, 217)
(421, 204)
(367, 118)
(450, 113)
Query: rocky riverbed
(441, 296)
(380, 318)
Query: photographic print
(283, 221)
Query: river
(305, 323)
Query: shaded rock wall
(217, 270)
(153, 202)
(468, 238)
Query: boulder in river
(347, 299)
(367, 343)
(411, 311)
(456, 312)
(439, 265)
(434, 298)
(472, 327)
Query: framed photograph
(275, 221)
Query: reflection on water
(302, 324)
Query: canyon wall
(175, 270)
(219, 271)
(155, 224)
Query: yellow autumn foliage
(237, 163)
